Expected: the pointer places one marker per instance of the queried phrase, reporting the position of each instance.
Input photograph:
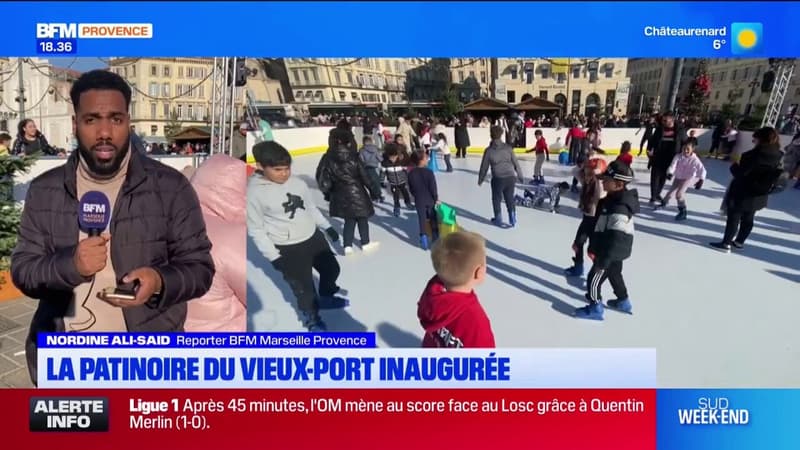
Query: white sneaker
(370, 247)
(348, 251)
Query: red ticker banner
(331, 419)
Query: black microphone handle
(94, 232)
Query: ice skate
(592, 311)
(423, 242)
(396, 211)
(575, 271)
(332, 302)
(681, 214)
(738, 245)
(621, 304)
(721, 246)
(512, 219)
(314, 323)
(369, 247)
(348, 251)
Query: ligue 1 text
(713, 411)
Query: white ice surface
(716, 320)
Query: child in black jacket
(422, 183)
(395, 168)
(611, 242)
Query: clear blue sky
(80, 64)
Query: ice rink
(716, 320)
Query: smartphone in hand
(117, 294)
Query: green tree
(10, 212)
(451, 106)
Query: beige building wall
(473, 75)
(349, 80)
(651, 82)
(164, 88)
(263, 88)
(46, 98)
(738, 82)
(575, 89)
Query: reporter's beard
(103, 168)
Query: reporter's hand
(91, 255)
(148, 282)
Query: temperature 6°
(718, 43)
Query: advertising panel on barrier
(212, 239)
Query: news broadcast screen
(399, 225)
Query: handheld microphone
(94, 213)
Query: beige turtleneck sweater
(107, 318)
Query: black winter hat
(618, 170)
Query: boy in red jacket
(449, 310)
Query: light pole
(752, 85)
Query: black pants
(461, 152)
(598, 276)
(714, 145)
(503, 189)
(296, 264)
(349, 231)
(426, 214)
(585, 230)
(447, 163)
(741, 222)
(399, 190)
(374, 175)
(658, 178)
(575, 149)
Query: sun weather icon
(746, 38)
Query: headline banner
(345, 368)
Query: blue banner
(729, 419)
(346, 29)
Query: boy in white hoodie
(686, 167)
(284, 223)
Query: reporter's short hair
(456, 256)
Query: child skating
(611, 242)
(395, 167)
(591, 194)
(422, 183)
(284, 223)
(542, 154)
(686, 167)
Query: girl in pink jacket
(686, 167)
(221, 186)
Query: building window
(133, 71)
(133, 109)
(153, 130)
(305, 76)
(529, 73)
(460, 76)
(152, 111)
(201, 91)
(153, 70)
(383, 98)
(513, 72)
(543, 95)
(483, 77)
(338, 77)
(354, 96)
(180, 111)
(152, 90)
(200, 112)
(609, 70)
(342, 96)
(576, 99)
(576, 72)
(314, 74)
(133, 91)
(190, 111)
(397, 66)
(472, 74)
(166, 110)
(349, 78)
(545, 72)
(561, 78)
(180, 71)
(318, 96)
(511, 97)
(371, 81)
(746, 73)
(165, 90)
(298, 95)
(166, 72)
(387, 65)
(733, 75)
(309, 96)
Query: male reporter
(156, 239)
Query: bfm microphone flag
(94, 213)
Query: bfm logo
(56, 30)
(94, 208)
